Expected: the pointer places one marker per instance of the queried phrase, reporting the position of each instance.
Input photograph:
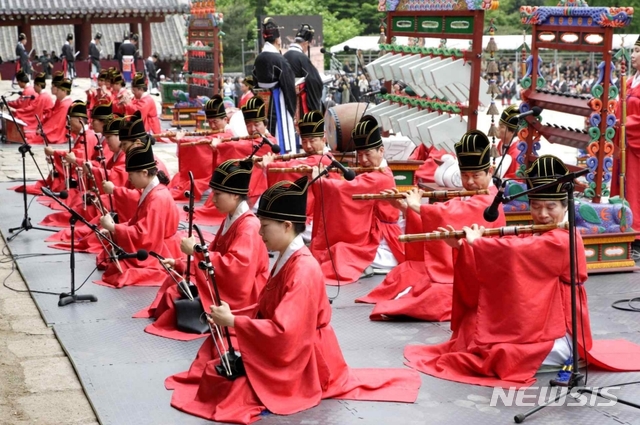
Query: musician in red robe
(153, 226)
(507, 128)
(119, 94)
(199, 159)
(632, 145)
(237, 253)
(512, 302)
(427, 170)
(289, 351)
(255, 118)
(422, 288)
(143, 102)
(23, 106)
(314, 144)
(54, 123)
(99, 95)
(28, 109)
(351, 237)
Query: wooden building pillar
(146, 39)
(133, 28)
(82, 38)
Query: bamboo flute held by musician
(421, 287)
(513, 315)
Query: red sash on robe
(508, 310)
(431, 283)
(152, 228)
(304, 366)
(353, 228)
(241, 267)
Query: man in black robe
(68, 56)
(272, 71)
(298, 58)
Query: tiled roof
(13, 9)
(168, 38)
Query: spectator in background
(237, 91)
(152, 71)
(47, 63)
(22, 55)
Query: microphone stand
(71, 297)
(575, 378)
(23, 149)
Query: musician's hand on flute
(215, 142)
(453, 243)
(178, 135)
(186, 245)
(108, 187)
(169, 262)
(70, 158)
(222, 315)
(267, 159)
(105, 232)
(400, 204)
(474, 232)
(48, 150)
(107, 222)
(413, 199)
(316, 170)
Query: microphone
(535, 111)
(63, 194)
(348, 173)
(381, 90)
(15, 92)
(154, 94)
(348, 49)
(274, 148)
(326, 52)
(141, 255)
(491, 212)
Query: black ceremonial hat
(254, 110)
(473, 151)
(546, 169)
(311, 124)
(78, 109)
(116, 78)
(104, 74)
(508, 117)
(40, 79)
(214, 108)
(112, 127)
(140, 157)
(366, 135)
(102, 112)
(22, 76)
(58, 76)
(285, 201)
(232, 176)
(65, 84)
(270, 31)
(132, 128)
(139, 81)
(305, 33)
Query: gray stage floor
(122, 369)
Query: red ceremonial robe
(25, 106)
(310, 161)
(54, 124)
(431, 282)
(241, 265)
(118, 108)
(513, 153)
(353, 228)
(208, 215)
(200, 160)
(304, 366)
(428, 169)
(152, 228)
(508, 310)
(147, 107)
(632, 153)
